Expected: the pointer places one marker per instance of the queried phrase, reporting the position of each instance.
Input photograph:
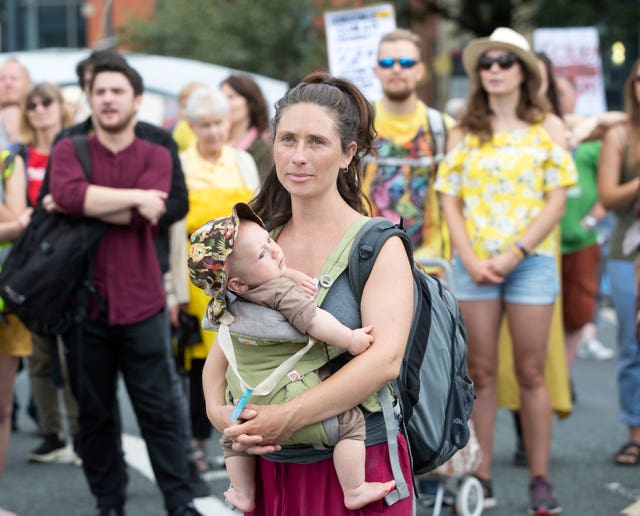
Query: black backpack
(435, 393)
(46, 277)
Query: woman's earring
(344, 170)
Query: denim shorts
(534, 281)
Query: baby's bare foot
(243, 501)
(366, 493)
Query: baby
(237, 253)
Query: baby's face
(256, 258)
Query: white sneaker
(594, 349)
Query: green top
(580, 199)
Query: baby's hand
(306, 283)
(309, 286)
(360, 340)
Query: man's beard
(398, 96)
(117, 128)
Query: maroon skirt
(287, 489)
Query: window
(31, 24)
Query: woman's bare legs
(529, 326)
(482, 320)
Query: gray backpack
(434, 391)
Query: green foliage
(275, 38)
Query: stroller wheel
(469, 498)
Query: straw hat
(502, 38)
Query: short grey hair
(204, 102)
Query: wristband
(518, 252)
(523, 250)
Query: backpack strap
(438, 131)
(365, 250)
(83, 153)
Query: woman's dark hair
(552, 89)
(631, 103)
(476, 118)
(246, 87)
(353, 117)
(632, 107)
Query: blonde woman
(44, 114)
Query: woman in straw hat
(503, 191)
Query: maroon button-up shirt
(126, 271)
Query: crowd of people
(510, 191)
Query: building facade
(33, 24)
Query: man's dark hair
(120, 67)
(94, 59)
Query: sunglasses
(505, 61)
(45, 103)
(404, 62)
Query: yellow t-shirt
(502, 184)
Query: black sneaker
(542, 500)
(489, 501)
(52, 449)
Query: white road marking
(630, 493)
(135, 452)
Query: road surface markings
(135, 452)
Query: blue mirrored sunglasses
(404, 62)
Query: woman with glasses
(44, 114)
(618, 185)
(503, 187)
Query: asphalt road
(586, 480)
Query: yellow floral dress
(502, 184)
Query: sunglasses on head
(505, 61)
(45, 103)
(404, 62)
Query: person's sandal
(631, 453)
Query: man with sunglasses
(411, 141)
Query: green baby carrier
(270, 361)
